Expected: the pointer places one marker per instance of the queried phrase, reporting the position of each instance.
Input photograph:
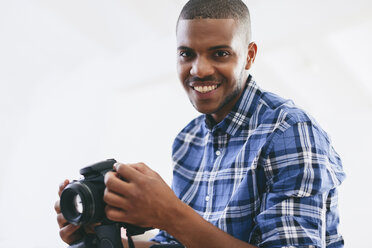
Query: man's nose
(202, 68)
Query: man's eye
(185, 54)
(221, 54)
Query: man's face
(212, 63)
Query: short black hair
(218, 9)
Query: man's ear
(252, 51)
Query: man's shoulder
(275, 115)
(278, 109)
(261, 109)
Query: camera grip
(109, 236)
(89, 241)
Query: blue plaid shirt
(266, 174)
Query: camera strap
(130, 241)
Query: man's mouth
(205, 88)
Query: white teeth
(205, 89)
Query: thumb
(62, 186)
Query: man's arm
(302, 172)
(194, 231)
(138, 195)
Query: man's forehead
(211, 26)
(206, 31)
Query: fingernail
(116, 165)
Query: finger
(115, 214)
(62, 186)
(115, 200)
(127, 172)
(141, 167)
(70, 234)
(62, 222)
(115, 184)
(57, 207)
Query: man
(252, 171)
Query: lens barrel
(91, 209)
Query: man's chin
(203, 110)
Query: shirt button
(207, 198)
(218, 152)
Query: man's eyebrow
(183, 48)
(219, 47)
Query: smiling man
(252, 171)
(213, 63)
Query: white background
(82, 81)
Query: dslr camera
(82, 203)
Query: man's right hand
(69, 233)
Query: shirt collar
(240, 114)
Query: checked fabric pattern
(267, 174)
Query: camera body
(82, 203)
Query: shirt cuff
(287, 231)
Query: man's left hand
(137, 195)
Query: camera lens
(73, 199)
(82, 203)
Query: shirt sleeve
(298, 208)
(164, 238)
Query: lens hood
(68, 203)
